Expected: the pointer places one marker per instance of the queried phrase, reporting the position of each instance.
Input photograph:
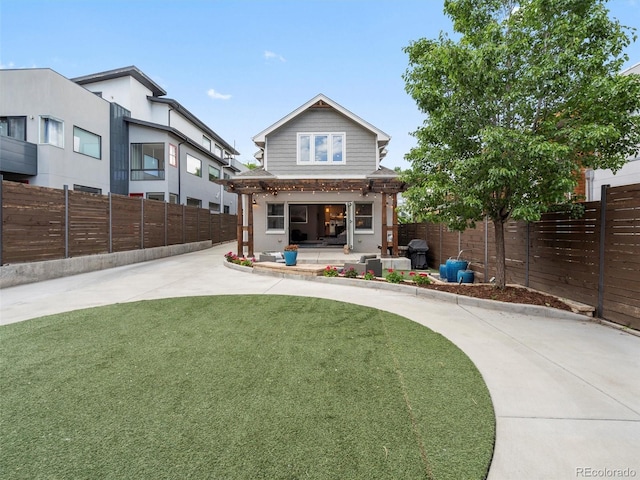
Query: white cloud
(268, 55)
(217, 95)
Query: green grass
(239, 387)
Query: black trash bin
(417, 250)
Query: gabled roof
(131, 71)
(322, 101)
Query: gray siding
(360, 151)
(119, 150)
(18, 157)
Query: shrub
(420, 279)
(395, 276)
(330, 271)
(233, 258)
(351, 273)
(370, 275)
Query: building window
(214, 173)
(323, 148)
(206, 143)
(52, 131)
(87, 143)
(194, 166)
(275, 217)
(155, 196)
(173, 155)
(364, 216)
(147, 161)
(217, 151)
(173, 198)
(84, 188)
(214, 207)
(14, 127)
(227, 209)
(194, 202)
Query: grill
(417, 250)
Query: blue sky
(242, 65)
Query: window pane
(194, 166)
(87, 143)
(147, 161)
(364, 216)
(51, 132)
(173, 155)
(275, 209)
(321, 148)
(337, 148)
(214, 173)
(206, 143)
(305, 145)
(275, 216)
(364, 209)
(14, 127)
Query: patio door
(350, 223)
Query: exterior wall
(127, 92)
(36, 92)
(365, 242)
(360, 146)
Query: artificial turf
(239, 387)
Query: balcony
(17, 156)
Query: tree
(528, 94)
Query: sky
(242, 65)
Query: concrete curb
(462, 300)
(21, 273)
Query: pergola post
(394, 223)
(385, 246)
(250, 207)
(240, 224)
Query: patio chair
(366, 263)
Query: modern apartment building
(112, 131)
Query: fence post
(142, 223)
(486, 249)
(66, 221)
(603, 237)
(110, 223)
(166, 223)
(526, 261)
(1, 222)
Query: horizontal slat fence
(41, 223)
(571, 258)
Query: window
(52, 131)
(155, 196)
(217, 151)
(214, 207)
(214, 173)
(173, 155)
(194, 202)
(14, 127)
(322, 148)
(227, 209)
(194, 166)
(84, 188)
(173, 198)
(364, 216)
(87, 143)
(206, 143)
(275, 216)
(147, 161)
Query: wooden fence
(45, 224)
(573, 258)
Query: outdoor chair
(365, 264)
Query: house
(320, 184)
(113, 131)
(627, 175)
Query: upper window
(14, 127)
(194, 166)
(52, 131)
(214, 173)
(364, 216)
(173, 155)
(86, 143)
(206, 142)
(217, 151)
(324, 148)
(147, 161)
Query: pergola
(386, 186)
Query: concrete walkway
(566, 391)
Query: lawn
(239, 387)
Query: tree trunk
(501, 269)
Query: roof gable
(322, 101)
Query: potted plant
(290, 254)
